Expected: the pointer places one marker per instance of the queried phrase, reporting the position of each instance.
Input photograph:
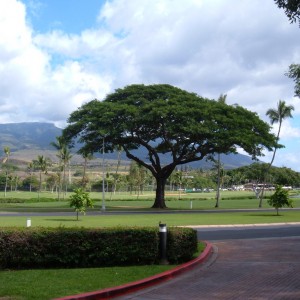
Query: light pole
(103, 179)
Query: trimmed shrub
(31, 200)
(182, 243)
(83, 247)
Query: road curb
(137, 285)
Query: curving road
(256, 262)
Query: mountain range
(27, 140)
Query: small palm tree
(41, 163)
(276, 115)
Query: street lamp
(103, 179)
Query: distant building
(258, 186)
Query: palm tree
(41, 163)
(7, 154)
(30, 168)
(87, 155)
(276, 115)
(220, 173)
(64, 156)
(282, 112)
(178, 179)
(115, 178)
(222, 99)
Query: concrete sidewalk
(238, 269)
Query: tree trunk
(64, 185)
(219, 181)
(160, 193)
(268, 168)
(40, 185)
(5, 188)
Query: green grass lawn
(133, 196)
(49, 284)
(125, 201)
(193, 219)
(54, 283)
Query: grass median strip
(105, 220)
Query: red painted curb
(133, 286)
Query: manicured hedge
(30, 200)
(182, 244)
(82, 247)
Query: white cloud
(33, 89)
(242, 48)
(287, 130)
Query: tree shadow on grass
(265, 215)
(63, 220)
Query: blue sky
(56, 55)
(66, 15)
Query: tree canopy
(162, 119)
(294, 73)
(291, 9)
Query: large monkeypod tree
(153, 121)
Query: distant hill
(20, 136)
(27, 140)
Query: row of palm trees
(43, 163)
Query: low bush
(31, 200)
(82, 247)
(11, 200)
(182, 243)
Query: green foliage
(255, 173)
(30, 182)
(280, 199)
(179, 240)
(294, 73)
(80, 200)
(291, 9)
(165, 119)
(9, 167)
(61, 247)
(28, 200)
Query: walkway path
(255, 269)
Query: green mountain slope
(20, 136)
(27, 140)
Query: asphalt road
(248, 232)
(160, 212)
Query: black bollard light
(163, 244)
